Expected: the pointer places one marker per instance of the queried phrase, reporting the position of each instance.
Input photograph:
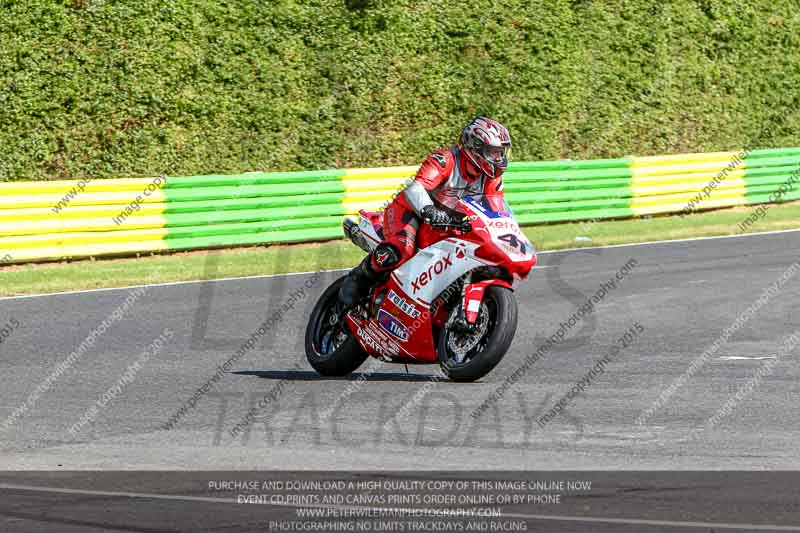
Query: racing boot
(358, 283)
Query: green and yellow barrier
(70, 219)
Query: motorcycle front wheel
(468, 356)
(331, 348)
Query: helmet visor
(496, 155)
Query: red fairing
(490, 252)
(524, 269)
(401, 328)
(473, 296)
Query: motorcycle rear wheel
(499, 310)
(331, 348)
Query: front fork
(460, 322)
(471, 299)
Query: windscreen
(501, 224)
(490, 205)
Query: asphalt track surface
(683, 295)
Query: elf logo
(433, 270)
(392, 325)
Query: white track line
(262, 276)
(522, 516)
(690, 239)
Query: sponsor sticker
(373, 340)
(403, 304)
(391, 324)
(505, 224)
(434, 269)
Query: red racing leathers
(444, 177)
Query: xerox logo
(433, 270)
(503, 224)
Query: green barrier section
(246, 239)
(773, 152)
(253, 208)
(195, 212)
(569, 164)
(256, 178)
(772, 175)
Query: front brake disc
(459, 343)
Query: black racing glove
(435, 216)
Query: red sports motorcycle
(452, 303)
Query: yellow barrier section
(90, 211)
(80, 237)
(687, 182)
(373, 188)
(58, 225)
(62, 187)
(51, 200)
(86, 250)
(54, 219)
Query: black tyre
(331, 348)
(470, 356)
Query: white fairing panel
(433, 269)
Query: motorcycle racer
(474, 166)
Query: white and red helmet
(487, 143)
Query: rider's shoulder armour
(456, 186)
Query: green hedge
(112, 88)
